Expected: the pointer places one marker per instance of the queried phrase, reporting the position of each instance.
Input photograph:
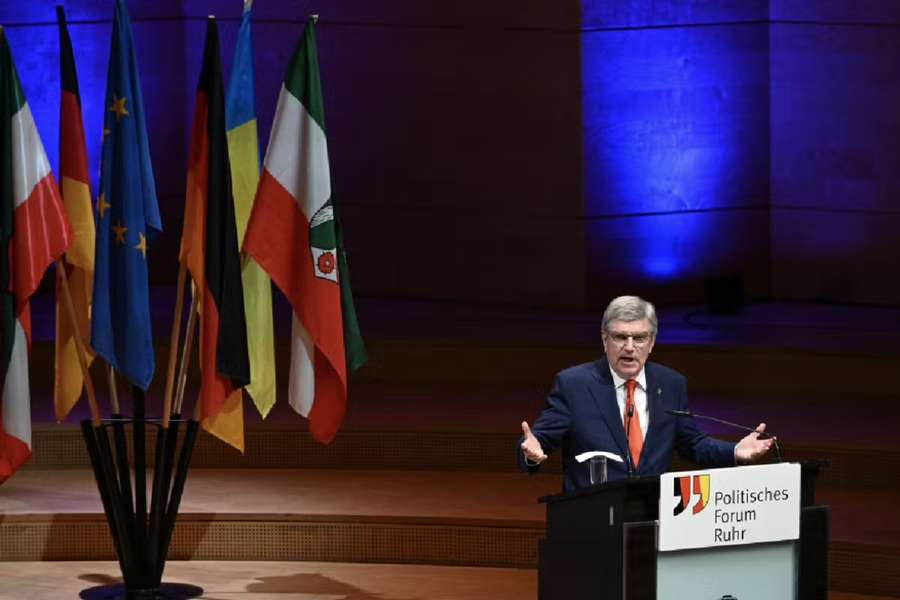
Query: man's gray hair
(630, 308)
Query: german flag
(209, 249)
(79, 258)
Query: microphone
(762, 434)
(628, 463)
(629, 417)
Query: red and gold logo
(687, 487)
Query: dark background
(551, 154)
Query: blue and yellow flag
(127, 218)
(243, 150)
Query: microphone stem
(724, 422)
(762, 434)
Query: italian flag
(294, 235)
(34, 232)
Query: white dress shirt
(640, 398)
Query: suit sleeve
(694, 445)
(551, 426)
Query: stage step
(285, 514)
(281, 446)
(410, 517)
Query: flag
(243, 149)
(209, 249)
(79, 258)
(127, 219)
(294, 235)
(34, 232)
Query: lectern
(603, 543)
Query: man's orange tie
(633, 424)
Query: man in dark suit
(617, 404)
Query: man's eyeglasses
(639, 339)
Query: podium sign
(729, 507)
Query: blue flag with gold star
(127, 219)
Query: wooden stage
(419, 498)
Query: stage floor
(293, 581)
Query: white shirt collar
(619, 382)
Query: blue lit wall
(158, 33)
(676, 147)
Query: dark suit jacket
(581, 414)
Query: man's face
(627, 345)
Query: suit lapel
(654, 407)
(604, 393)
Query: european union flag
(127, 218)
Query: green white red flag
(294, 235)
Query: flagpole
(121, 445)
(168, 433)
(96, 421)
(166, 512)
(113, 391)
(173, 345)
(120, 442)
(186, 355)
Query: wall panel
(835, 153)
(839, 256)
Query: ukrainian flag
(243, 149)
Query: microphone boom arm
(762, 434)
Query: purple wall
(504, 152)
(836, 150)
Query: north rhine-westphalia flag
(34, 232)
(209, 249)
(127, 218)
(294, 235)
(243, 150)
(79, 258)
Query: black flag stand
(141, 539)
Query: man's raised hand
(534, 454)
(752, 447)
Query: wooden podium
(601, 542)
